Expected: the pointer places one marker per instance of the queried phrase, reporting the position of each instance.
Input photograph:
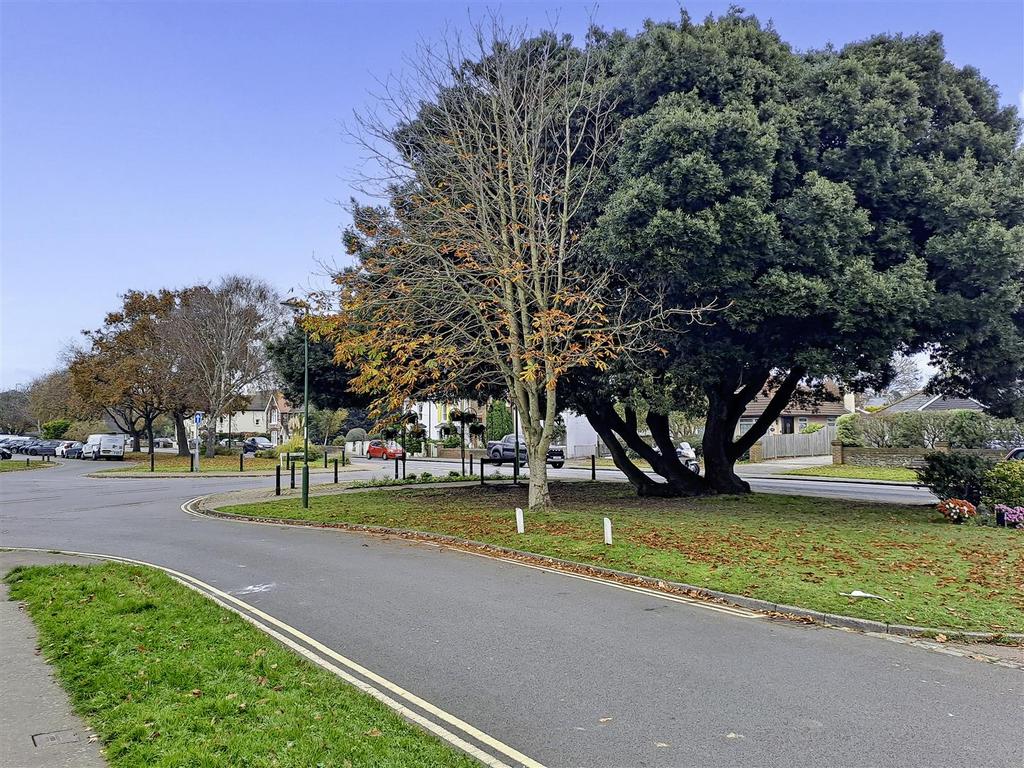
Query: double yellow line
(446, 726)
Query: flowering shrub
(957, 510)
(1013, 517)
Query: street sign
(199, 417)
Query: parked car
(63, 446)
(254, 444)
(4, 453)
(13, 444)
(104, 447)
(44, 448)
(1017, 454)
(499, 451)
(74, 451)
(25, 448)
(163, 442)
(378, 449)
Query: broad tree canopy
(843, 205)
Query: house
(435, 415)
(795, 418)
(282, 419)
(265, 413)
(922, 401)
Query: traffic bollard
(277, 480)
(593, 467)
(396, 467)
(343, 455)
(241, 462)
(292, 470)
(471, 472)
(325, 458)
(335, 471)
(191, 462)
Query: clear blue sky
(158, 144)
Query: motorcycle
(688, 457)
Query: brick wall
(894, 457)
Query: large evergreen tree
(845, 205)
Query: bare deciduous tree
(218, 333)
(489, 154)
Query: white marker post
(520, 523)
(607, 531)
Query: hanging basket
(477, 429)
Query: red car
(378, 449)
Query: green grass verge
(796, 550)
(171, 462)
(413, 480)
(168, 678)
(857, 473)
(14, 465)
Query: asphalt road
(568, 671)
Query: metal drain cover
(55, 738)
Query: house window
(832, 420)
(745, 424)
(274, 417)
(802, 423)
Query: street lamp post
(297, 306)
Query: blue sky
(152, 144)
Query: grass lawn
(168, 678)
(170, 462)
(796, 550)
(16, 465)
(858, 473)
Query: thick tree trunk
(540, 495)
(136, 441)
(211, 442)
(149, 437)
(727, 401)
(719, 463)
(609, 426)
(180, 435)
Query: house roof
(258, 401)
(922, 401)
(827, 408)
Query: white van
(104, 447)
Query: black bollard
(293, 475)
(241, 460)
(325, 458)
(396, 467)
(191, 462)
(481, 471)
(471, 464)
(593, 467)
(343, 455)
(152, 462)
(403, 466)
(335, 471)
(277, 480)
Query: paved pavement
(37, 727)
(568, 671)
